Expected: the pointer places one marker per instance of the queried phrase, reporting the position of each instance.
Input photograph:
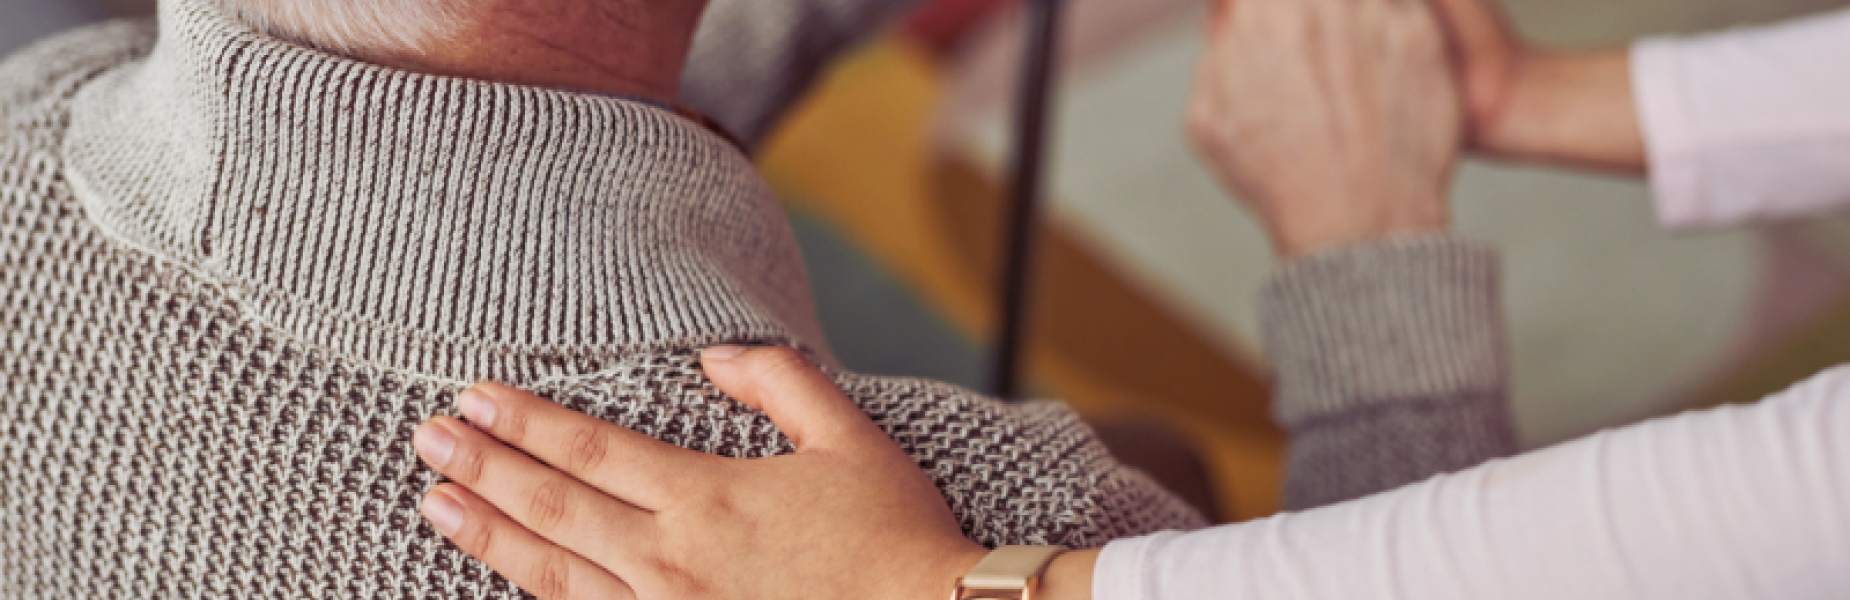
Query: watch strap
(1013, 571)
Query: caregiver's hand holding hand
(1530, 103)
(1335, 121)
(568, 506)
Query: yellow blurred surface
(859, 155)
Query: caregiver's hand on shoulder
(1335, 121)
(568, 506)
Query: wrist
(1339, 228)
(1572, 108)
(950, 567)
(1069, 577)
(1499, 92)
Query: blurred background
(1143, 313)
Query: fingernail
(444, 512)
(477, 408)
(723, 353)
(435, 443)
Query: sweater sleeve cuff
(1379, 324)
(1123, 567)
(1669, 136)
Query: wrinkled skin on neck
(629, 47)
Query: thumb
(799, 398)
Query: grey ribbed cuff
(1409, 320)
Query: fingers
(798, 397)
(538, 566)
(543, 500)
(636, 468)
(1477, 25)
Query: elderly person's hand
(568, 506)
(1335, 121)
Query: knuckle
(691, 490)
(695, 490)
(513, 427)
(468, 465)
(589, 446)
(779, 362)
(722, 507)
(478, 542)
(549, 507)
(552, 575)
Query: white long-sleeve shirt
(1742, 503)
(1748, 125)
(1746, 503)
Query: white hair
(353, 26)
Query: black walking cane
(1031, 116)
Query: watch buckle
(1025, 593)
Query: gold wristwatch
(1008, 573)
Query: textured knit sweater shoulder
(236, 273)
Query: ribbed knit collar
(458, 228)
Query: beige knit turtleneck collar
(461, 229)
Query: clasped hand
(1334, 121)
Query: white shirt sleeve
(1748, 125)
(1741, 503)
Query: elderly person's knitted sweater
(236, 273)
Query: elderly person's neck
(629, 48)
(634, 48)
